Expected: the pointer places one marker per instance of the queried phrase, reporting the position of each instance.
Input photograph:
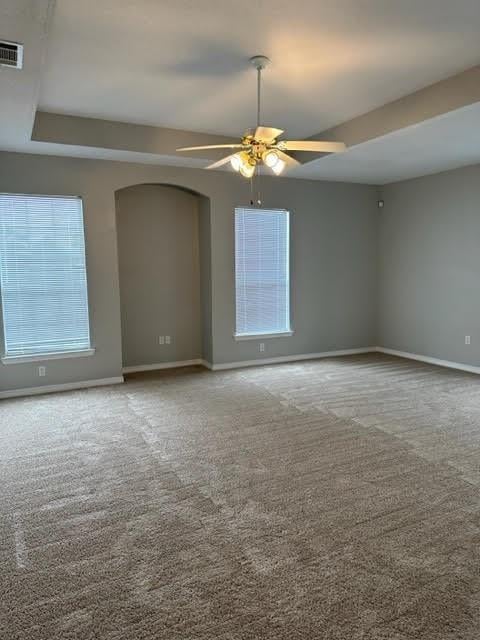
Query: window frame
(239, 337)
(8, 359)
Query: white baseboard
(294, 358)
(84, 384)
(162, 365)
(436, 361)
(52, 388)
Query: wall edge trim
(293, 358)
(100, 382)
(53, 388)
(449, 364)
(162, 365)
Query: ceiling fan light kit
(261, 145)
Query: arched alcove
(163, 235)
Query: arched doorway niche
(164, 257)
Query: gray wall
(159, 270)
(429, 265)
(50, 175)
(334, 246)
(333, 269)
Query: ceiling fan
(261, 145)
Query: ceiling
(183, 64)
(448, 141)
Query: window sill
(41, 357)
(261, 336)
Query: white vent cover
(11, 54)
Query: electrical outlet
(262, 346)
(41, 371)
(167, 340)
(467, 339)
(161, 339)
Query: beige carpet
(334, 499)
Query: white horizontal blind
(262, 271)
(42, 274)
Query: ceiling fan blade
(267, 134)
(289, 161)
(221, 162)
(313, 145)
(234, 145)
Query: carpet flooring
(333, 499)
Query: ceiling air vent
(11, 54)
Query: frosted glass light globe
(247, 170)
(278, 167)
(236, 162)
(270, 158)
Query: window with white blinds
(43, 283)
(262, 287)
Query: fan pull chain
(259, 81)
(255, 176)
(259, 198)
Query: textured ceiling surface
(183, 63)
(449, 141)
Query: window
(262, 272)
(43, 284)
